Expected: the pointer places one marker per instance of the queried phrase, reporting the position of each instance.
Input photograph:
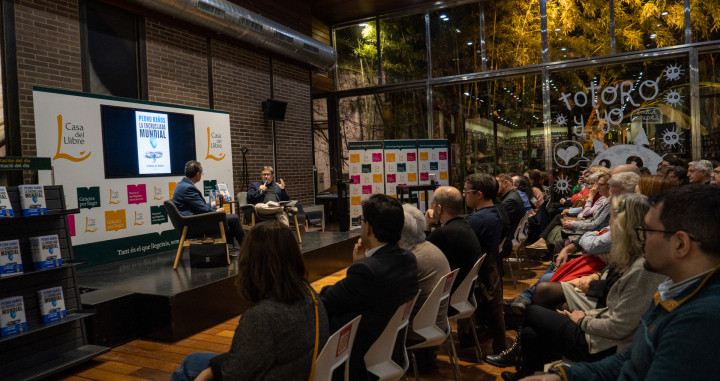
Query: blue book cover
(52, 304)
(6, 209)
(32, 200)
(10, 258)
(12, 316)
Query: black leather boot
(507, 358)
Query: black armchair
(197, 228)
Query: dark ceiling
(338, 11)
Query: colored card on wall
(355, 158)
(209, 185)
(355, 179)
(158, 214)
(411, 156)
(443, 155)
(171, 188)
(424, 176)
(390, 158)
(115, 220)
(377, 178)
(71, 224)
(433, 165)
(443, 175)
(377, 157)
(136, 194)
(412, 177)
(391, 179)
(423, 155)
(402, 167)
(367, 189)
(366, 168)
(88, 198)
(356, 200)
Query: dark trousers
(489, 295)
(553, 223)
(234, 229)
(547, 336)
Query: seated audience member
(675, 339)
(454, 238)
(677, 174)
(540, 180)
(715, 178)
(382, 277)
(650, 185)
(623, 182)
(599, 218)
(480, 190)
(594, 334)
(645, 171)
(522, 186)
(594, 200)
(189, 201)
(432, 267)
(276, 337)
(264, 193)
(699, 172)
(513, 206)
(626, 168)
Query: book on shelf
(46, 252)
(32, 200)
(6, 209)
(10, 258)
(12, 316)
(52, 304)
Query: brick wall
(241, 82)
(294, 134)
(48, 54)
(177, 66)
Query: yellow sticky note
(443, 176)
(390, 157)
(355, 158)
(377, 178)
(355, 201)
(412, 177)
(423, 155)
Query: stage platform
(146, 298)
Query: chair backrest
(242, 198)
(382, 349)
(521, 230)
(336, 351)
(463, 299)
(174, 215)
(427, 315)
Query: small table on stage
(408, 189)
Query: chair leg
(181, 247)
(512, 274)
(297, 228)
(478, 350)
(224, 238)
(415, 367)
(454, 355)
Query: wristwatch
(557, 370)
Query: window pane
(403, 114)
(710, 105)
(512, 33)
(648, 24)
(472, 115)
(578, 29)
(633, 113)
(403, 48)
(455, 40)
(356, 46)
(359, 121)
(705, 20)
(323, 180)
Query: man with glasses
(266, 196)
(189, 201)
(699, 172)
(677, 337)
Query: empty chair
(464, 302)
(336, 352)
(378, 359)
(196, 228)
(424, 323)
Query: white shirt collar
(372, 251)
(670, 290)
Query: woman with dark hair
(285, 327)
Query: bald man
(626, 168)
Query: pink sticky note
(391, 179)
(136, 194)
(367, 189)
(376, 157)
(356, 179)
(443, 155)
(411, 156)
(71, 224)
(424, 176)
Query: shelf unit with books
(44, 348)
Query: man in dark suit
(189, 200)
(382, 277)
(513, 205)
(261, 193)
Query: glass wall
(321, 143)
(649, 24)
(455, 40)
(705, 20)
(710, 105)
(404, 48)
(512, 33)
(357, 64)
(578, 29)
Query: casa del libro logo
(214, 145)
(71, 141)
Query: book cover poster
(12, 316)
(366, 171)
(10, 258)
(153, 142)
(433, 165)
(400, 165)
(52, 304)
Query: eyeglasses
(267, 174)
(641, 232)
(468, 191)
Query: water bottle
(212, 199)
